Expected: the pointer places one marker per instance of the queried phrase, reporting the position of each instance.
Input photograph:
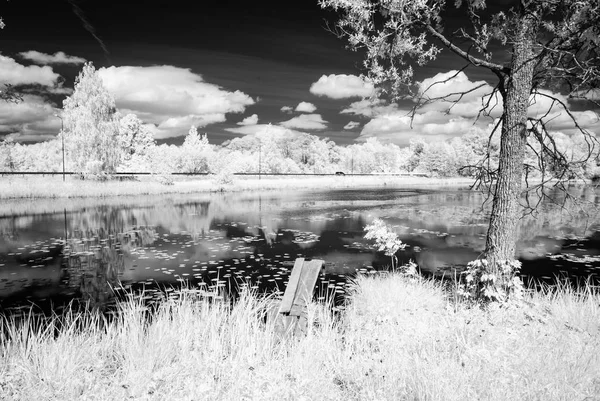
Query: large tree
(553, 44)
(92, 125)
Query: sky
(228, 67)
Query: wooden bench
(292, 316)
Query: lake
(92, 250)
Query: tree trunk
(506, 210)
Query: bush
(479, 285)
(164, 179)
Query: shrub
(385, 239)
(479, 285)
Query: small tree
(195, 152)
(137, 142)
(92, 125)
(7, 158)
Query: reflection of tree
(94, 264)
(136, 238)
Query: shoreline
(13, 188)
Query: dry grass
(396, 340)
(53, 187)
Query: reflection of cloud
(172, 98)
(251, 120)
(56, 58)
(305, 121)
(305, 107)
(287, 109)
(341, 86)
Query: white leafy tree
(92, 125)
(195, 152)
(552, 44)
(137, 143)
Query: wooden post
(292, 316)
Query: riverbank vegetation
(12, 187)
(397, 338)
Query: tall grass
(54, 187)
(397, 339)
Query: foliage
(7, 157)
(385, 239)
(482, 287)
(554, 56)
(92, 125)
(136, 139)
(196, 153)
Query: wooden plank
(305, 288)
(292, 317)
(290, 291)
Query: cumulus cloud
(442, 119)
(31, 119)
(306, 121)
(287, 109)
(171, 98)
(14, 73)
(341, 86)
(56, 58)
(370, 108)
(351, 125)
(305, 107)
(262, 128)
(251, 120)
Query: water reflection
(221, 240)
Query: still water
(55, 251)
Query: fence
(43, 173)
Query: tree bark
(506, 210)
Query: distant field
(12, 187)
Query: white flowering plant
(483, 286)
(386, 240)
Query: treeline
(99, 141)
(284, 151)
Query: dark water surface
(55, 251)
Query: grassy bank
(396, 340)
(53, 187)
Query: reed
(397, 339)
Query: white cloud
(251, 120)
(370, 108)
(14, 73)
(351, 125)
(171, 98)
(287, 109)
(443, 119)
(400, 128)
(341, 86)
(266, 129)
(33, 118)
(56, 58)
(305, 107)
(306, 121)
